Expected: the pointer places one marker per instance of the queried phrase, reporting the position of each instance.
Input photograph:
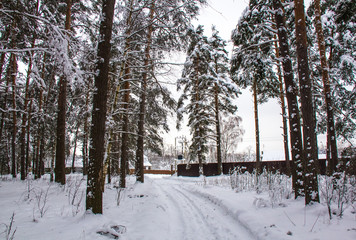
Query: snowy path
(185, 214)
(163, 208)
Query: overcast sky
(224, 14)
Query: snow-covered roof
(146, 163)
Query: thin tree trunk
(125, 127)
(75, 146)
(94, 197)
(85, 137)
(53, 158)
(284, 113)
(13, 62)
(108, 160)
(291, 90)
(24, 119)
(257, 129)
(199, 130)
(331, 135)
(2, 62)
(28, 127)
(42, 153)
(141, 121)
(125, 106)
(217, 127)
(60, 175)
(3, 114)
(309, 136)
(25, 113)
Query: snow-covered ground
(163, 208)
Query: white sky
(224, 14)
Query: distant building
(146, 164)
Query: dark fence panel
(211, 169)
(192, 170)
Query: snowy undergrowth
(39, 209)
(274, 191)
(337, 193)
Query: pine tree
(222, 87)
(331, 135)
(292, 101)
(307, 108)
(141, 122)
(97, 132)
(60, 176)
(194, 78)
(251, 63)
(338, 31)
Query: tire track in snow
(224, 209)
(200, 218)
(179, 231)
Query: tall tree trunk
(284, 113)
(4, 105)
(28, 128)
(331, 135)
(2, 63)
(141, 121)
(60, 175)
(24, 119)
(75, 146)
(125, 127)
(199, 129)
(291, 90)
(309, 136)
(53, 158)
(94, 197)
(85, 136)
(112, 135)
(125, 105)
(217, 127)
(42, 153)
(25, 113)
(257, 129)
(13, 62)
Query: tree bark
(94, 201)
(331, 134)
(292, 101)
(125, 105)
(309, 136)
(24, 119)
(85, 136)
(198, 129)
(141, 121)
(60, 176)
(75, 146)
(284, 113)
(125, 135)
(4, 105)
(257, 129)
(13, 62)
(217, 127)
(28, 127)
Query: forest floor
(164, 207)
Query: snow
(146, 163)
(164, 207)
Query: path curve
(193, 216)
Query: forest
(88, 76)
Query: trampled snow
(163, 207)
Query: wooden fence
(211, 169)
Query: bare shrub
(9, 231)
(41, 201)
